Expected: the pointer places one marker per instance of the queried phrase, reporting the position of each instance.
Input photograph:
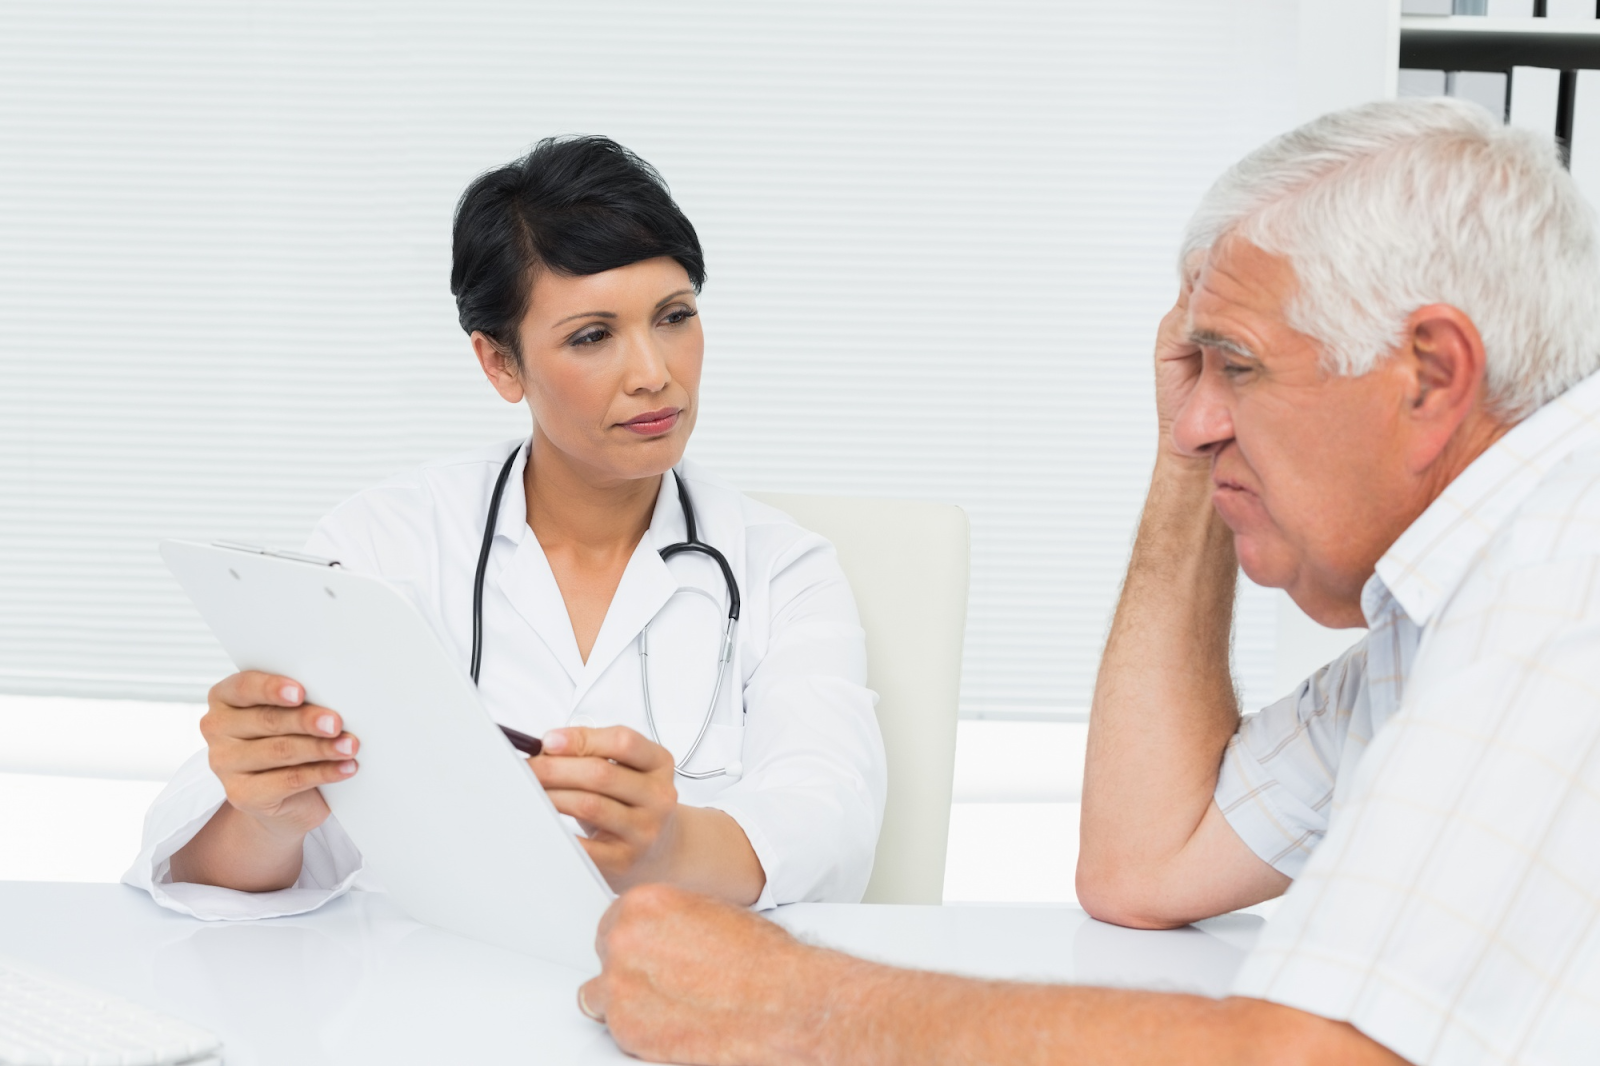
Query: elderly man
(1377, 391)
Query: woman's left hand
(619, 786)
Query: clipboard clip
(256, 549)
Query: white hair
(1388, 207)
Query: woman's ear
(498, 367)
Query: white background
(939, 238)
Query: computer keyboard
(48, 1021)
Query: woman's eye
(589, 336)
(683, 314)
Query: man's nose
(1204, 421)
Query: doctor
(707, 726)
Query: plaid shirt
(1435, 791)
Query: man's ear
(498, 367)
(1444, 364)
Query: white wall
(939, 238)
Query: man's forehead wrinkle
(1242, 279)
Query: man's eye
(1233, 370)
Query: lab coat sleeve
(194, 794)
(812, 795)
(332, 861)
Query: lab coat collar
(526, 579)
(646, 586)
(649, 582)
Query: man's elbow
(1121, 897)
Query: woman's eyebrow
(669, 297)
(587, 314)
(1206, 338)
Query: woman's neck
(577, 510)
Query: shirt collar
(1430, 558)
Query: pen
(522, 741)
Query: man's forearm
(882, 1016)
(1164, 705)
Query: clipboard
(447, 814)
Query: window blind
(939, 236)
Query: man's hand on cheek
(690, 979)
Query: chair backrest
(907, 564)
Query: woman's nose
(647, 368)
(1204, 421)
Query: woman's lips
(653, 423)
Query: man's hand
(687, 979)
(690, 979)
(1177, 364)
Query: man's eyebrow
(1209, 339)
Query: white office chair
(907, 563)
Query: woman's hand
(271, 750)
(620, 787)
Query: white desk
(358, 982)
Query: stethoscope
(691, 544)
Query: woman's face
(610, 366)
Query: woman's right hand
(271, 750)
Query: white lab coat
(811, 795)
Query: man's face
(1308, 468)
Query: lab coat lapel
(645, 588)
(529, 583)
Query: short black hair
(573, 205)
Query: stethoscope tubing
(690, 544)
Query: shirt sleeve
(1278, 772)
(331, 863)
(1453, 912)
(812, 795)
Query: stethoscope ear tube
(692, 543)
(483, 560)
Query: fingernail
(325, 725)
(555, 741)
(348, 766)
(344, 745)
(588, 1011)
(290, 694)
